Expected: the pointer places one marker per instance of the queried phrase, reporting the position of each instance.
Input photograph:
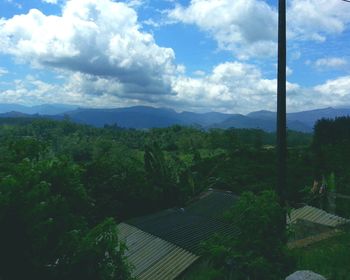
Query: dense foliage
(64, 186)
(330, 258)
(46, 231)
(331, 146)
(331, 150)
(258, 250)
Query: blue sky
(198, 55)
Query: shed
(317, 216)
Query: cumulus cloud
(315, 19)
(98, 38)
(240, 88)
(32, 90)
(106, 59)
(28, 90)
(333, 92)
(100, 48)
(246, 27)
(330, 63)
(337, 90)
(230, 87)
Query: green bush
(258, 251)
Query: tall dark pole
(281, 104)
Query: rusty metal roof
(152, 257)
(316, 215)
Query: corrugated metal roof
(188, 227)
(162, 245)
(316, 215)
(152, 257)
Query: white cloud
(199, 73)
(98, 38)
(330, 63)
(3, 71)
(29, 90)
(231, 87)
(17, 5)
(246, 27)
(331, 93)
(106, 59)
(337, 90)
(315, 19)
(33, 91)
(50, 1)
(99, 47)
(152, 23)
(135, 3)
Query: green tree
(161, 179)
(95, 254)
(44, 223)
(258, 251)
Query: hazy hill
(133, 117)
(310, 117)
(265, 122)
(143, 117)
(44, 109)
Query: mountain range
(44, 109)
(143, 117)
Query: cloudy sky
(198, 55)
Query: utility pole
(281, 104)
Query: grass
(330, 258)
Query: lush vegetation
(331, 147)
(64, 187)
(259, 250)
(331, 150)
(330, 258)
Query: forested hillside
(63, 185)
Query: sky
(193, 55)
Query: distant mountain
(29, 117)
(265, 122)
(52, 109)
(310, 117)
(204, 119)
(143, 117)
(44, 109)
(304, 120)
(132, 117)
(241, 121)
(14, 114)
(6, 108)
(263, 114)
